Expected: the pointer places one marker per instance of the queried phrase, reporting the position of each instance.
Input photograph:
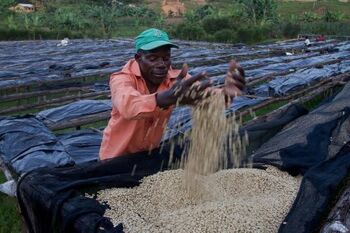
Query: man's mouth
(160, 74)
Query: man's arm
(130, 103)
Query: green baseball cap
(152, 38)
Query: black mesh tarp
(53, 204)
(315, 145)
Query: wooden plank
(79, 121)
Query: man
(145, 91)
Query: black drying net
(315, 145)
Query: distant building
(173, 8)
(23, 7)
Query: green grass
(321, 98)
(9, 216)
(264, 110)
(288, 8)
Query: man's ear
(137, 56)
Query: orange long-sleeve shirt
(137, 123)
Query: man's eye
(152, 58)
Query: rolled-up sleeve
(130, 103)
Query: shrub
(310, 16)
(332, 16)
(190, 32)
(204, 11)
(214, 24)
(255, 34)
(225, 35)
(245, 35)
(5, 4)
(334, 28)
(258, 10)
(290, 30)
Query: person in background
(146, 90)
(307, 42)
(320, 38)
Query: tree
(260, 10)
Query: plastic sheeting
(303, 146)
(179, 121)
(82, 145)
(37, 62)
(30, 62)
(320, 142)
(282, 85)
(222, 68)
(74, 110)
(274, 69)
(26, 144)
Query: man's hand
(234, 81)
(184, 91)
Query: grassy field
(288, 8)
(9, 217)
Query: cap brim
(156, 44)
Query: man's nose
(161, 62)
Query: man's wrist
(165, 99)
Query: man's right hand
(184, 91)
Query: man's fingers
(238, 79)
(234, 66)
(195, 78)
(241, 71)
(204, 85)
(183, 72)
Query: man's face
(154, 64)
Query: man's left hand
(234, 80)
